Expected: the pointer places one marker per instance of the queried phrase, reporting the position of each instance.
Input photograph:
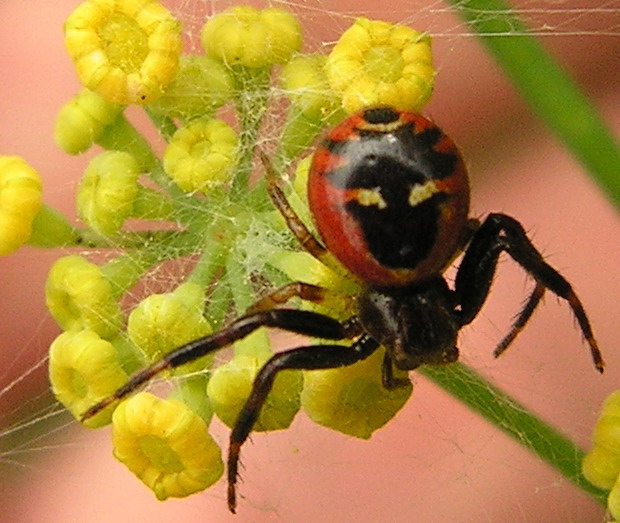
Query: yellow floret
(353, 399)
(166, 445)
(306, 84)
(201, 85)
(202, 155)
(80, 297)
(601, 466)
(243, 35)
(20, 202)
(163, 322)
(82, 120)
(231, 383)
(378, 63)
(108, 190)
(84, 369)
(125, 50)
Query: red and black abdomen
(390, 196)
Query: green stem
(51, 228)
(515, 420)
(126, 270)
(191, 391)
(164, 124)
(218, 302)
(547, 88)
(253, 86)
(152, 205)
(212, 259)
(120, 135)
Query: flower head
(601, 466)
(201, 155)
(378, 63)
(352, 399)
(231, 384)
(201, 85)
(166, 445)
(163, 322)
(83, 370)
(108, 190)
(20, 202)
(305, 82)
(80, 297)
(82, 120)
(125, 50)
(243, 35)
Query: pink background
(436, 461)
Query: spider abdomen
(390, 196)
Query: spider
(390, 197)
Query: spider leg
(303, 235)
(305, 291)
(502, 233)
(311, 357)
(388, 380)
(294, 223)
(301, 322)
(524, 315)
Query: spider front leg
(313, 357)
(301, 322)
(502, 233)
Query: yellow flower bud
(601, 466)
(163, 322)
(243, 35)
(613, 500)
(166, 445)
(81, 121)
(305, 83)
(20, 202)
(231, 383)
(80, 297)
(107, 191)
(353, 399)
(85, 369)
(201, 155)
(378, 63)
(201, 85)
(127, 51)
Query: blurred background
(436, 461)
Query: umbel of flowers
(198, 205)
(601, 466)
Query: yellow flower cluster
(84, 369)
(210, 111)
(127, 51)
(378, 63)
(79, 296)
(201, 155)
(250, 37)
(20, 202)
(601, 466)
(163, 322)
(166, 445)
